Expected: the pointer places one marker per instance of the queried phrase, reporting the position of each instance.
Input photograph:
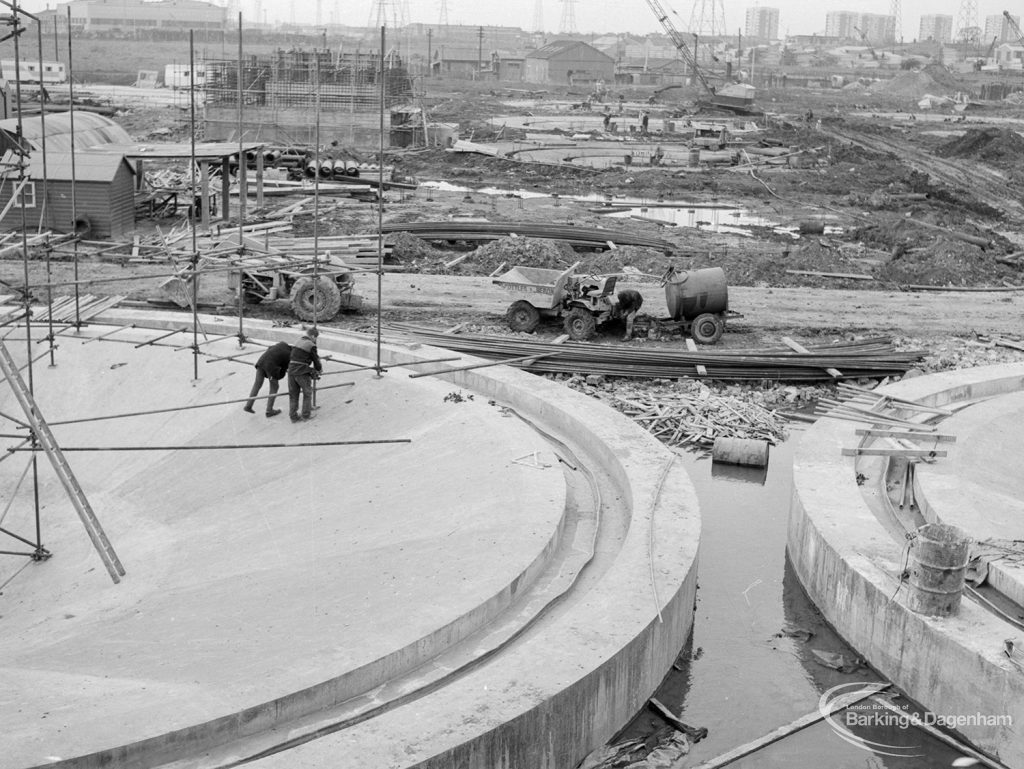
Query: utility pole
(480, 49)
(430, 53)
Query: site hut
(104, 195)
(569, 62)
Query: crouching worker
(303, 367)
(628, 305)
(272, 365)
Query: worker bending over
(272, 365)
(628, 305)
(303, 368)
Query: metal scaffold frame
(32, 432)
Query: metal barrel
(693, 159)
(740, 451)
(936, 564)
(694, 292)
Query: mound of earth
(989, 144)
(912, 85)
(947, 262)
(517, 252)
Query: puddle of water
(710, 219)
(737, 676)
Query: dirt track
(768, 312)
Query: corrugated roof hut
(104, 194)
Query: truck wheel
(321, 303)
(580, 325)
(522, 316)
(707, 328)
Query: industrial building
(132, 16)
(999, 29)
(762, 23)
(936, 27)
(569, 61)
(876, 27)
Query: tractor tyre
(707, 328)
(522, 316)
(580, 324)
(320, 303)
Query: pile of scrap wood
(872, 358)
(697, 418)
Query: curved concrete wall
(570, 690)
(849, 565)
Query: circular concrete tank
(848, 546)
(446, 600)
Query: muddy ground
(909, 198)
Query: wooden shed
(104, 195)
(569, 61)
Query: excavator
(737, 97)
(864, 39)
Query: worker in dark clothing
(644, 120)
(628, 305)
(272, 365)
(303, 367)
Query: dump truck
(698, 301)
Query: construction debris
(691, 415)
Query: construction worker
(272, 365)
(303, 367)
(628, 305)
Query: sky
(795, 16)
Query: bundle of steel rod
(858, 404)
(687, 419)
(872, 358)
(587, 237)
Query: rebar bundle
(872, 358)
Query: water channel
(742, 676)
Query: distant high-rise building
(877, 28)
(996, 26)
(936, 27)
(762, 23)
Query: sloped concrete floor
(250, 573)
